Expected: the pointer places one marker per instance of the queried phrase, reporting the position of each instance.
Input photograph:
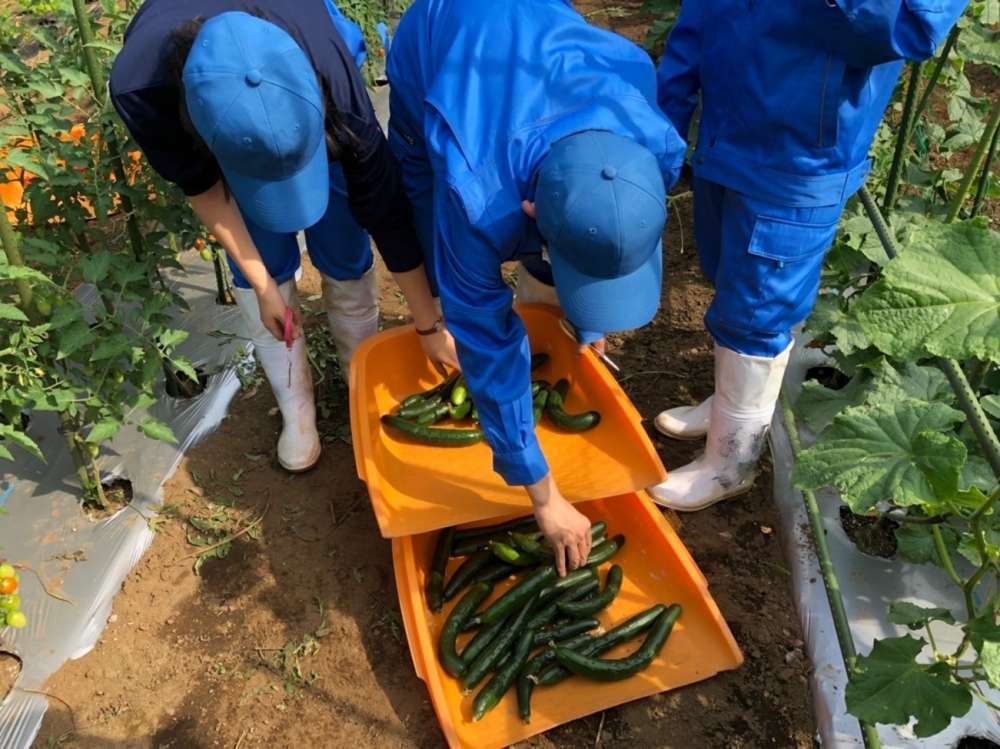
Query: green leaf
(20, 272)
(110, 348)
(10, 312)
(20, 159)
(915, 544)
(73, 337)
(19, 438)
(983, 629)
(185, 367)
(46, 89)
(170, 338)
(157, 430)
(893, 687)
(873, 454)
(912, 616)
(939, 297)
(990, 657)
(980, 45)
(106, 46)
(940, 457)
(991, 405)
(104, 431)
(818, 405)
(95, 267)
(5, 454)
(923, 383)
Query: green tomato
(118, 377)
(7, 570)
(16, 620)
(93, 450)
(206, 255)
(10, 602)
(44, 306)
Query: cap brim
(609, 305)
(287, 205)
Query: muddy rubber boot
(532, 291)
(298, 445)
(351, 313)
(685, 422)
(746, 391)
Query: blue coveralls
(337, 245)
(792, 93)
(480, 90)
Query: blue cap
(255, 100)
(601, 206)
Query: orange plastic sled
(416, 488)
(658, 569)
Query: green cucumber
(590, 606)
(490, 695)
(412, 400)
(544, 614)
(492, 653)
(435, 581)
(495, 572)
(617, 669)
(485, 531)
(555, 408)
(450, 660)
(596, 646)
(604, 551)
(516, 597)
(510, 555)
(461, 411)
(419, 409)
(539, 360)
(525, 687)
(434, 415)
(466, 572)
(533, 543)
(434, 435)
(537, 663)
(564, 631)
(571, 580)
(483, 637)
(459, 393)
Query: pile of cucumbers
(541, 631)
(418, 413)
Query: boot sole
(303, 469)
(680, 437)
(739, 491)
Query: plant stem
(976, 164)
(12, 248)
(73, 441)
(939, 64)
(841, 622)
(930, 638)
(902, 139)
(944, 557)
(984, 176)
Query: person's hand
(272, 312)
(440, 349)
(565, 527)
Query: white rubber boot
(298, 445)
(685, 422)
(532, 291)
(746, 391)
(352, 314)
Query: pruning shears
(568, 329)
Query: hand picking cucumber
(604, 551)
(435, 581)
(450, 660)
(493, 652)
(517, 596)
(596, 646)
(434, 435)
(466, 572)
(490, 695)
(555, 408)
(533, 543)
(622, 668)
(590, 606)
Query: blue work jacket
(490, 86)
(792, 91)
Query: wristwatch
(437, 327)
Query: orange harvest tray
(658, 569)
(417, 488)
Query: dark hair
(338, 135)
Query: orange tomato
(8, 585)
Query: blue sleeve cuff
(521, 467)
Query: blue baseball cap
(254, 98)
(600, 204)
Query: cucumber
(412, 400)
(495, 572)
(604, 551)
(617, 669)
(483, 637)
(459, 393)
(563, 631)
(542, 615)
(433, 416)
(419, 409)
(490, 695)
(449, 658)
(485, 531)
(465, 573)
(539, 360)
(534, 544)
(590, 606)
(538, 405)
(572, 579)
(434, 435)
(525, 687)
(510, 555)
(596, 646)
(461, 411)
(555, 408)
(547, 657)
(492, 653)
(435, 581)
(517, 596)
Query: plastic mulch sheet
(87, 560)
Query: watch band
(437, 327)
